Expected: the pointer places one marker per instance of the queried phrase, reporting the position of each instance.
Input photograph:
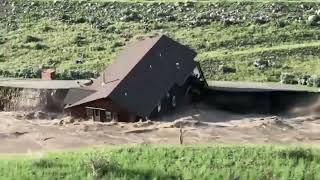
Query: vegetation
(184, 162)
(256, 41)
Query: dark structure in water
(149, 78)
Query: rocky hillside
(251, 41)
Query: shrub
(100, 165)
(79, 40)
(313, 81)
(32, 39)
(39, 46)
(288, 78)
(42, 163)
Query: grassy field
(226, 34)
(151, 162)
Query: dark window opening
(97, 112)
(109, 116)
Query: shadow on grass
(305, 154)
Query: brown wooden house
(147, 79)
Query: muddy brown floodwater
(200, 126)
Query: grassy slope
(149, 162)
(96, 31)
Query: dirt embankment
(196, 125)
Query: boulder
(261, 19)
(304, 80)
(262, 64)
(314, 81)
(313, 20)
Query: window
(97, 112)
(108, 116)
(89, 113)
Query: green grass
(97, 31)
(174, 162)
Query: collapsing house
(149, 78)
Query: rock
(262, 64)
(79, 61)
(261, 19)
(304, 80)
(313, 81)
(313, 20)
(229, 21)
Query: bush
(100, 165)
(32, 39)
(39, 46)
(314, 81)
(79, 40)
(288, 78)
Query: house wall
(123, 115)
(275, 102)
(240, 102)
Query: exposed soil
(200, 125)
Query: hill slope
(247, 41)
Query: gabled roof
(125, 62)
(118, 70)
(148, 68)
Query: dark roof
(76, 94)
(143, 73)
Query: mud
(201, 125)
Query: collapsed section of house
(149, 78)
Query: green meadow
(229, 36)
(167, 162)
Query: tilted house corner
(145, 76)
